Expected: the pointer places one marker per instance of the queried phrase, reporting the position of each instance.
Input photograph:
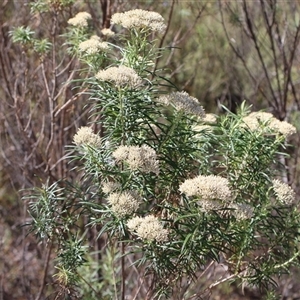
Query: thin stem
(45, 271)
(165, 34)
(113, 268)
(271, 38)
(123, 275)
(258, 50)
(239, 54)
(122, 117)
(296, 255)
(222, 280)
(89, 285)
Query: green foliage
(100, 275)
(41, 46)
(22, 35)
(39, 6)
(25, 37)
(45, 209)
(162, 183)
(43, 6)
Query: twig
(288, 261)
(240, 56)
(45, 271)
(258, 50)
(122, 271)
(165, 33)
(271, 38)
(142, 280)
(89, 285)
(222, 280)
(69, 102)
(50, 109)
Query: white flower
(182, 101)
(85, 136)
(148, 228)
(120, 76)
(210, 118)
(93, 45)
(80, 20)
(110, 186)
(267, 122)
(138, 158)
(242, 211)
(284, 193)
(283, 127)
(209, 187)
(107, 32)
(125, 203)
(139, 18)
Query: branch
(273, 49)
(48, 253)
(240, 56)
(165, 33)
(258, 50)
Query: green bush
(171, 192)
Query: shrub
(172, 192)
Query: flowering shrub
(177, 190)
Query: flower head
(182, 101)
(210, 118)
(110, 186)
(125, 203)
(209, 205)
(242, 211)
(80, 20)
(148, 228)
(121, 153)
(266, 121)
(93, 45)
(107, 32)
(85, 136)
(139, 18)
(138, 158)
(209, 187)
(254, 119)
(282, 127)
(120, 76)
(284, 193)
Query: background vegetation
(221, 52)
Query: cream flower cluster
(139, 18)
(93, 45)
(210, 118)
(209, 187)
(283, 127)
(107, 32)
(284, 193)
(80, 20)
(125, 203)
(253, 122)
(183, 101)
(120, 76)
(148, 228)
(209, 205)
(141, 158)
(110, 186)
(85, 136)
(242, 211)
